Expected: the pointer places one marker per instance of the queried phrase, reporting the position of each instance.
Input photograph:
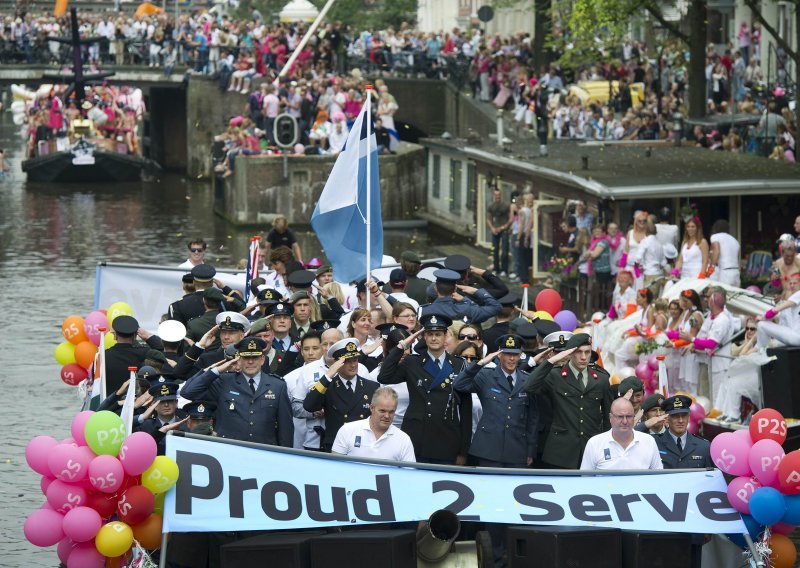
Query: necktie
(252, 385)
(584, 379)
(349, 385)
(680, 444)
(510, 381)
(438, 364)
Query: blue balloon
(792, 515)
(752, 527)
(767, 505)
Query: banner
(149, 290)
(244, 487)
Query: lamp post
(677, 127)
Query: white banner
(149, 290)
(227, 486)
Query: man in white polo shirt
(376, 437)
(622, 447)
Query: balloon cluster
(765, 487)
(548, 304)
(76, 354)
(105, 491)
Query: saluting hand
(563, 356)
(408, 341)
(228, 364)
(208, 338)
(334, 368)
(543, 355)
(173, 426)
(470, 290)
(490, 357)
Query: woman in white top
(688, 327)
(635, 236)
(386, 109)
(623, 296)
(649, 257)
(693, 258)
(617, 241)
(673, 357)
(724, 255)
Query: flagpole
(368, 102)
(102, 364)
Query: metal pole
(368, 118)
(500, 133)
(162, 558)
(305, 39)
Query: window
(472, 189)
(436, 181)
(456, 167)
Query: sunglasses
(470, 337)
(197, 249)
(750, 329)
(469, 357)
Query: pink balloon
(69, 441)
(68, 463)
(744, 434)
(82, 523)
(753, 288)
(652, 362)
(92, 324)
(106, 474)
(697, 412)
(729, 453)
(693, 428)
(740, 490)
(137, 453)
(64, 497)
(43, 527)
(644, 372)
(783, 528)
(85, 555)
(44, 483)
(64, 549)
(37, 451)
(78, 426)
(764, 457)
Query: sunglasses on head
(471, 337)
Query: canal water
(51, 238)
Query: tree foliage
(372, 14)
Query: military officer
(163, 415)
(280, 315)
(580, 396)
(191, 305)
(483, 307)
(438, 419)
(201, 412)
(506, 432)
(199, 326)
(678, 448)
(341, 392)
(231, 327)
(502, 325)
(276, 362)
(476, 277)
(127, 352)
(251, 405)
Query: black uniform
(490, 335)
(196, 359)
(124, 355)
(199, 326)
(188, 307)
(153, 427)
(341, 405)
(438, 420)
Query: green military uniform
(579, 412)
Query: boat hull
(107, 166)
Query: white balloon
(704, 402)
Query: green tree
(372, 14)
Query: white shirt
(667, 234)
(603, 452)
(357, 439)
(650, 255)
(790, 317)
(403, 297)
(728, 251)
(292, 378)
(187, 264)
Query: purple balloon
(567, 320)
(652, 362)
(644, 372)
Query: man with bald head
(622, 447)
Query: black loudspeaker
(781, 390)
(561, 547)
(365, 549)
(287, 550)
(656, 550)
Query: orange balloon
(714, 413)
(615, 379)
(72, 328)
(784, 552)
(84, 353)
(148, 532)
